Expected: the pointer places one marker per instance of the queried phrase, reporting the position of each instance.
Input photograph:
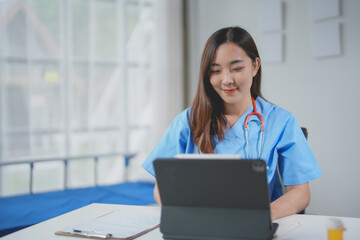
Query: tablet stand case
(212, 209)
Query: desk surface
(291, 227)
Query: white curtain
(168, 81)
(83, 77)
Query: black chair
(305, 131)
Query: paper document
(119, 224)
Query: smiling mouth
(229, 91)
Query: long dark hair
(207, 110)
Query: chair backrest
(305, 131)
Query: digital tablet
(214, 198)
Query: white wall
(323, 94)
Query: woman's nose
(227, 78)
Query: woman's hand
(296, 199)
(156, 194)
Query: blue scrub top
(284, 144)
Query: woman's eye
(214, 71)
(237, 69)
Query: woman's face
(231, 73)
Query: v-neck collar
(238, 128)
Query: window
(74, 77)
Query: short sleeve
(297, 163)
(174, 141)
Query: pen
(91, 234)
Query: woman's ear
(256, 66)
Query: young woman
(230, 116)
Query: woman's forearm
(296, 199)
(157, 194)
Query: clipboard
(120, 224)
(106, 236)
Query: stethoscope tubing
(255, 112)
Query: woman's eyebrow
(231, 63)
(236, 61)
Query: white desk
(293, 227)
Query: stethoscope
(255, 112)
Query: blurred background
(92, 77)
